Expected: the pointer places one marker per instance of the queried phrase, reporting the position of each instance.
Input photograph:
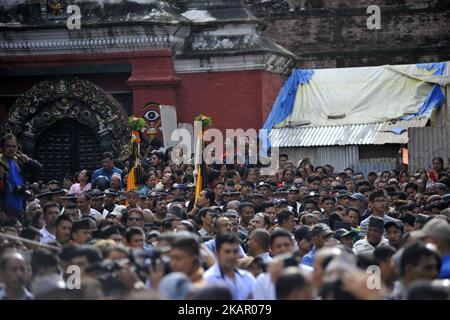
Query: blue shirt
(144, 190)
(445, 267)
(308, 259)
(106, 173)
(14, 180)
(242, 286)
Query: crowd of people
(300, 232)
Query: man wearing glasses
(135, 218)
(377, 202)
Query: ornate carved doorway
(66, 123)
(66, 147)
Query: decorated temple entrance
(66, 123)
(66, 147)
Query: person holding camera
(14, 166)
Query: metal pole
(11, 237)
(446, 105)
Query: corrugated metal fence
(339, 157)
(377, 165)
(297, 154)
(425, 144)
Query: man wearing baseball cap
(320, 234)
(394, 233)
(233, 216)
(359, 201)
(437, 232)
(343, 197)
(345, 236)
(265, 188)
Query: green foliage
(136, 123)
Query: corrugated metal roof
(353, 134)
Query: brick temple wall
(334, 33)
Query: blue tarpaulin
(284, 104)
(328, 97)
(435, 98)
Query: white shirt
(46, 236)
(265, 257)
(363, 246)
(265, 288)
(93, 213)
(241, 288)
(104, 213)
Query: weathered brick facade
(333, 33)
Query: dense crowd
(300, 232)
